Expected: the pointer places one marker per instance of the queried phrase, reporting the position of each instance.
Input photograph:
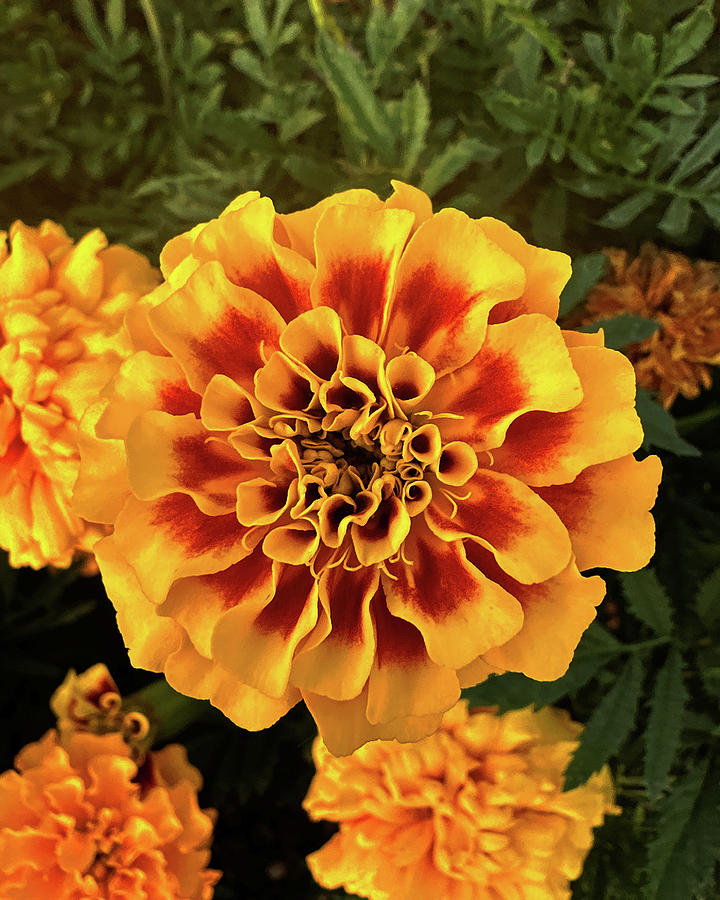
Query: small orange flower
(684, 297)
(83, 817)
(354, 460)
(61, 311)
(477, 811)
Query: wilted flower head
(354, 460)
(83, 817)
(61, 311)
(684, 297)
(476, 811)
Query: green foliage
(648, 600)
(659, 426)
(623, 329)
(664, 727)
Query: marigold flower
(61, 312)
(684, 297)
(354, 460)
(83, 817)
(476, 811)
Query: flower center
(353, 451)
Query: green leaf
(690, 81)
(659, 426)
(712, 208)
(687, 38)
(682, 856)
(414, 123)
(626, 212)
(623, 329)
(298, 123)
(707, 600)
(595, 48)
(453, 160)
(538, 28)
(308, 172)
(536, 150)
(671, 103)
(257, 25)
(115, 18)
(348, 79)
(384, 32)
(608, 727)
(676, 219)
(170, 711)
(703, 152)
(648, 600)
(665, 723)
(586, 272)
(549, 217)
(15, 172)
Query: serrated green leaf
(308, 172)
(538, 28)
(608, 727)
(257, 25)
(626, 212)
(115, 18)
(707, 600)
(12, 173)
(245, 61)
(665, 722)
(587, 270)
(527, 56)
(453, 160)
(687, 38)
(687, 846)
(595, 48)
(703, 152)
(671, 103)
(349, 81)
(623, 329)
(659, 426)
(690, 80)
(298, 123)
(648, 600)
(712, 208)
(676, 218)
(536, 150)
(415, 120)
(385, 32)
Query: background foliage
(583, 124)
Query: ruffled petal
(357, 250)
(523, 365)
(450, 276)
(212, 326)
(553, 448)
(339, 664)
(604, 528)
(459, 612)
(526, 537)
(168, 454)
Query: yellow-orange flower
(61, 312)
(85, 817)
(476, 811)
(354, 460)
(684, 297)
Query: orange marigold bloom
(477, 811)
(61, 313)
(354, 460)
(684, 297)
(83, 817)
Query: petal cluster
(354, 460)
(476, 811)
(85, 815)
(61, 314)
(684, 297)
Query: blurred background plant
(582, 124)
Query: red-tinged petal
(212, 326)
(281, 385)
(314, 340)
(299, 227)
(405, 196)
(225, 405)
(143, 382)
(149, 638)
(450, 276)
(606, 511)
(383, 533)
(524, 534)
(168, 454)
(198, 602)
(339, 665)
(344, 726)
(357, 254)
(294, 544)
(261, 502)
(557, 613)
(242, 240)
(459, 612)
(404, 681)
(523, 365)
(256, 641)
(171, 538)
(546, 271)
(553, 448)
